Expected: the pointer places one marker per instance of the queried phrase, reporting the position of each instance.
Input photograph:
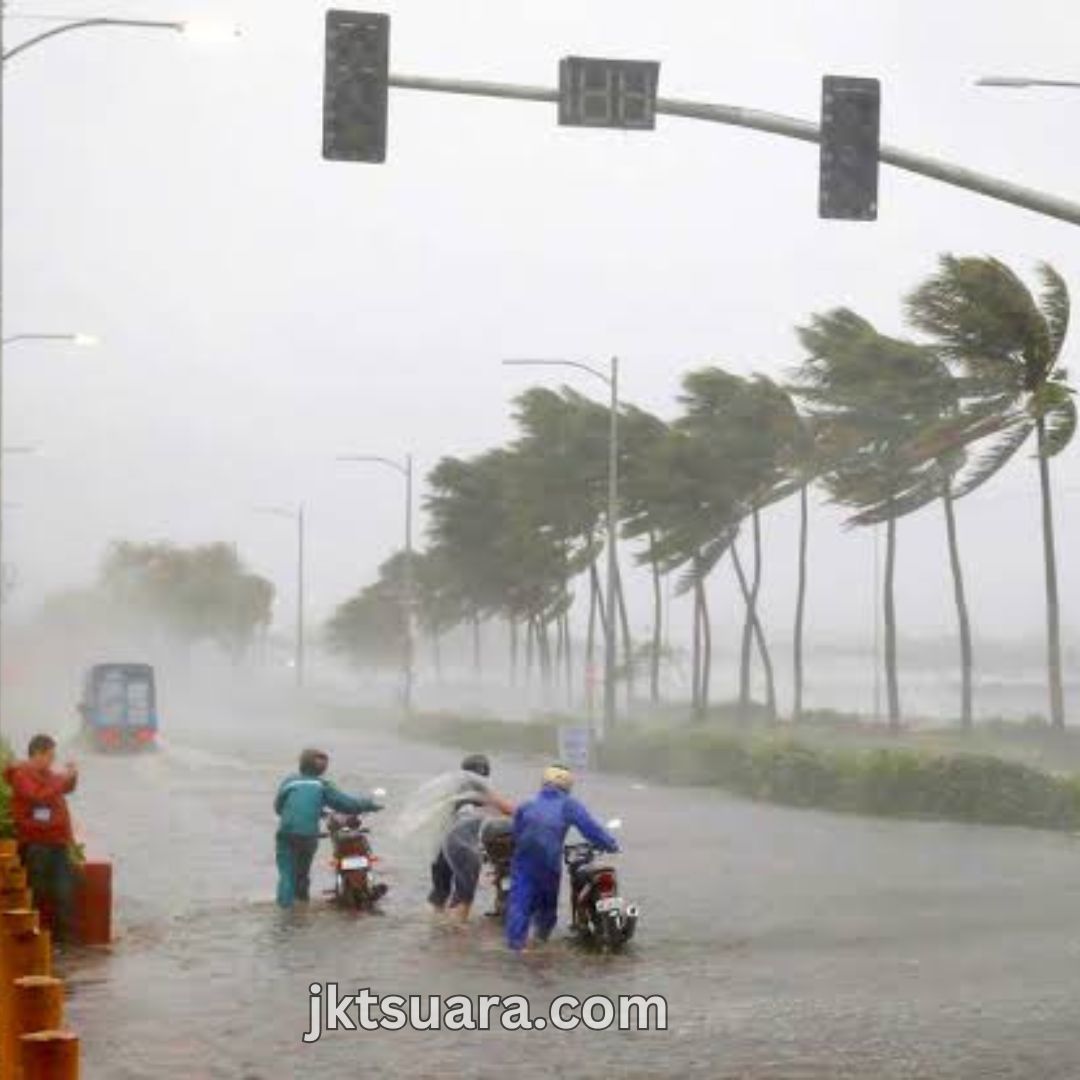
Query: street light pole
(612, 515)
(611, 641)
(296, 515)
(193, 29)
(13, 339)
(408, 584)
(300, 597)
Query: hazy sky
(262, 310)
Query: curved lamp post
(405, 470)
(611, 378)
(194, 29)
(296, 515)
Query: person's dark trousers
(295, 855)
(51, 876)
(442, 881)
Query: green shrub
(884, 781)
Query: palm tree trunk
(748, 622)
(628, 644)
(569, 657)
(800, 604)
(544, 640)
(477, 659)
(706, 649)
(658, 630)
(590, 645)
(514, 646)
(892, 682)
(966, 719)
(436, 648)
(1053, 610)
(759, 638)
(696, 672)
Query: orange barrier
(33, 1045)
(50, 1055)
(38, 1005)
(15, 899)
(93, 905)
(24, 950)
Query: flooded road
(788, 944)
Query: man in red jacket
(43, 827)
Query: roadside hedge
(887, 782)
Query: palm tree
(640, 437)
(1006, 345)
(691, 519)
(750, 426)
(873, 398)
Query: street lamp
(612, 380)
(200, 30)
(409, 583)
(1021, 83)
(83, 341)
(296, 515)
(14, 339)
(197, 30)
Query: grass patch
(883, 780)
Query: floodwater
(788, 944)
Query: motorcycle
(356, 883)
(497, 840)
(598, 914)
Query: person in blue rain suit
(299, 804)
(540, 828)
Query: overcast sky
(262, 310)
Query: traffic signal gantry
(597, 92)
(594, 92)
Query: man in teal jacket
(299, 804)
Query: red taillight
(605, 883)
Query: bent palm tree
(1006, 343)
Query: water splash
(426, 812)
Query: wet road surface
(788, 944)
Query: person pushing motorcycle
(540, 828)
(455, 871)
(299, 804)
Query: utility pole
(611, 643)
(300, 597)
(611, 638)
(408, 583)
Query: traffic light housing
(850, 145)
(356, 86)
(608, 93)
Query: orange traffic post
(27, 952)
(93, 907)
(50, 1055)
(37, 1005)
(12, 873)
(15, 899)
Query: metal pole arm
(788, 127)
(87, 24)
(561, 363)
(375, 459)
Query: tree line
(885, 426)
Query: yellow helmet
(558, 775)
